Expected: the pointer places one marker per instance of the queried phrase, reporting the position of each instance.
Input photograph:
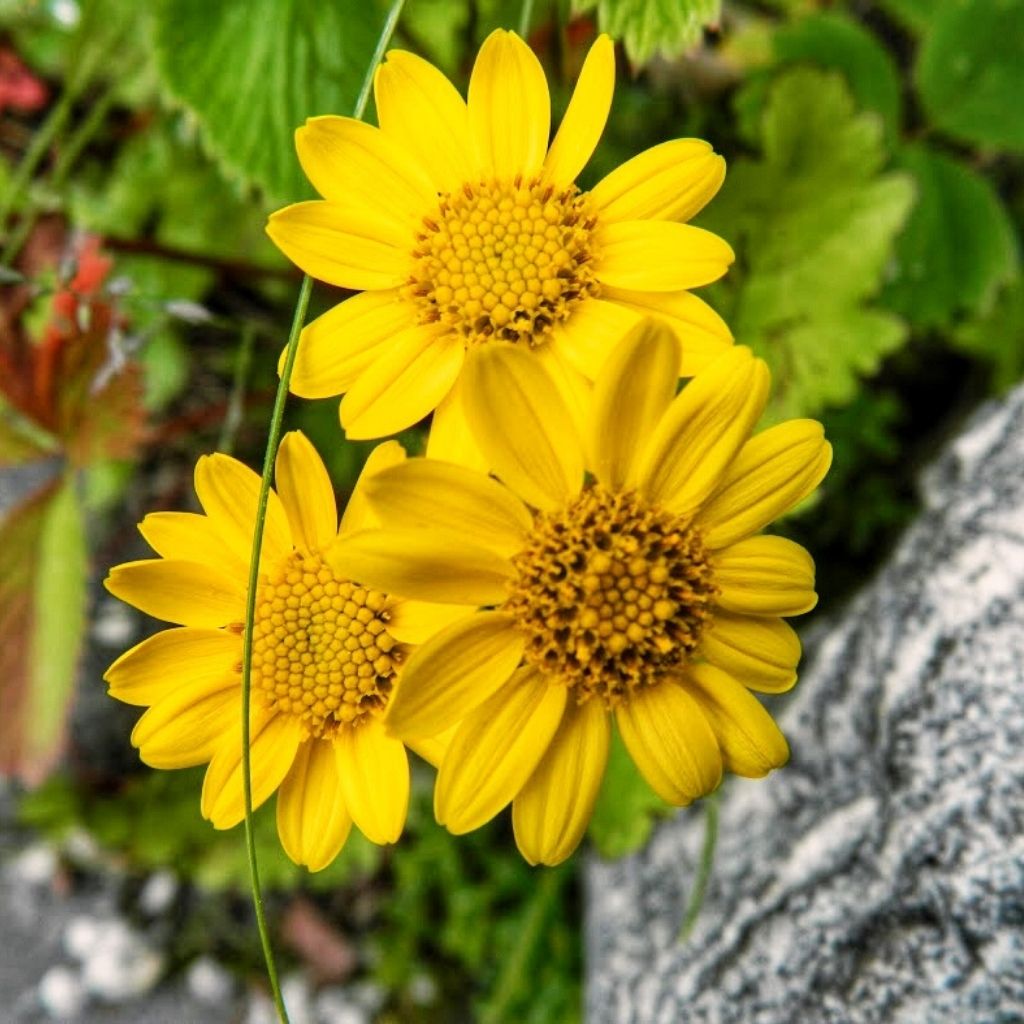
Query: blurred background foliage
(874, 197)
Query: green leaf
(834, 41)
(43, 564)
(252, 71)
(916, 15)
(649, 27)
(970, 71)
(626, 807)
(998, 337)
(813, 222)
(958, 247)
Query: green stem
(273, 439)
(525, 17)
(515, 965)
(707, 859)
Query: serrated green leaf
(958, 247)
(626, 807)
(252, 71)
(970, 71)
(834, 41)
(813, 222)
(998, 336)
(649, 27)
(43, 567)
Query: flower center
(504, 261)
(321, 650)
(611, 593)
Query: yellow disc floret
(321, 650)
(611, 593)
(504, 261)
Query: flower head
(326, 654)
(463, 227)
(638, 591)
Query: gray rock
(880, 876)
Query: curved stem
(525, 17)
(273, 439)
(707, 860)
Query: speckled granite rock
(880, 877)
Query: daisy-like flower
(326, 654)
(460, 226)
(643, 594)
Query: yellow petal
(585, 117)
(453, 674)
(344, 246)
(671, 181)
(702, 333)
(659, 255)
(553, 809)
(191, 537)
(704, 427)
(171, 658)
(274, 741)
(772, 472)
(405, 383)
(374, 771)
(186, 727)
(424, 565)
(592, 332)
(671, 742)
(419, 107)
(751, 742)
(496, 749)
(424, 494)
(762, 653)
(451, 439)
(522, 425)
(186, 593)
(433, 750)
(350, 161)
(358, 514)
(416, 622)
(575, 390)
(229, 492)
(340, 344)
(631, 395)
(765, 576)
(312, 819)
(306, 493)
(509, 108)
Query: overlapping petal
(453, 674)
(523, 426)
(552, 811)
(750, 741)
(762, 653)
(186, 593)
(671, 742)
(312, 819)
(306, 493)
(765, 576)
(496, 749)
(374, 772)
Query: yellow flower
(326, 654)
(460, 226)
(642, 595)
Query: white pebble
(80, 936)
(61, 993)
(35, 866)
(121, 965)
(334, 1006)
(113, 625)
(208, 982)
(298, 998)
(158, 893)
